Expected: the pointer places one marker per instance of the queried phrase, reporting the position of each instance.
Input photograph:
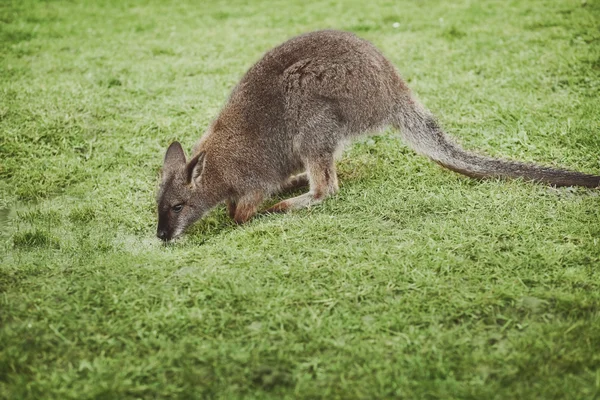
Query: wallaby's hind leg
(246, 206)
(323, 182)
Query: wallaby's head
(182, 199)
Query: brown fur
(291, 113)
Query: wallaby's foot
(231, 206)
(295, 182)
(294, 203)
(246, 206)
(323, 183)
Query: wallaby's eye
(177, 208)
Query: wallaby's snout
(162, 235)
(170, 223)
(167, 224)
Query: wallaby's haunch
(291, 114)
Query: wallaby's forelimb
(295, 182)
(231, 206)
(246, 206)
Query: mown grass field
(413, 282)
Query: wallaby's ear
(174, 159)
(195, 167)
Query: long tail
(421, 131)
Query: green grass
(413, 282)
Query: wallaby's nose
(162, 235)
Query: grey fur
(292, 112)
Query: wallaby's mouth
(163, 235)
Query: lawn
(413, 282)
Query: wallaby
(288, 118)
